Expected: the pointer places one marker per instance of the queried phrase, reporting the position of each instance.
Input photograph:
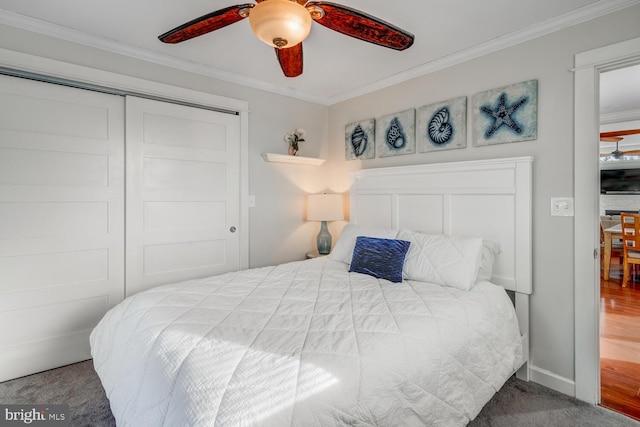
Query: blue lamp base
(324, 239)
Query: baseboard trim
(552, 381)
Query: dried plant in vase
(293, 139)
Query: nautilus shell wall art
(395, 134)
(442, 126)
(359, 140)
(440, 131)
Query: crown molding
(578, 16)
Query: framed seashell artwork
(506, 114)
(442, 126)
(395, 134)
(359, 140)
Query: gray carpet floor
(517, 404)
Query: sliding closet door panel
(61, 221)
(182, 193)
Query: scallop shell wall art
(506, 114)
(359, 140)
(442, 126)
(395, 134)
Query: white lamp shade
(280, 23)
(324, 207)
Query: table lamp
(324, 207)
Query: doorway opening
(588, 66)
(619, 305)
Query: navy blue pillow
(380, 258)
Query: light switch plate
(562, 206)
(252, 201)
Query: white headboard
(485, 198)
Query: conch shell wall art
(442, 126)
(359, 140)
(395, 134)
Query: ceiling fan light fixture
(280, 23)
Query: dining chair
(616, 244)
(630, 243)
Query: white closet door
(61, 221)
(183, 193)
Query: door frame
(87, 76)
(588, 66)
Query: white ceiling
(336, 67)
(620, 94)
(620, 106)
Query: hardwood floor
(620, 343)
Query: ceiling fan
(617, 136)
(284, 24)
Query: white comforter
(305, 344)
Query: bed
(313, 343)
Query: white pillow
(343, 250)
(443, 260)
(489, 251)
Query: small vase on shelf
(293, 139)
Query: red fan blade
(619, 133)
(207, 23)
(358, 24)
(290, 59)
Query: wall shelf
(285, 158)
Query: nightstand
(314, 254)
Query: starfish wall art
(507, 114)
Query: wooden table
(610, 233)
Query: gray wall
(548, 59)
(279, 232)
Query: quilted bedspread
(305, 344)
